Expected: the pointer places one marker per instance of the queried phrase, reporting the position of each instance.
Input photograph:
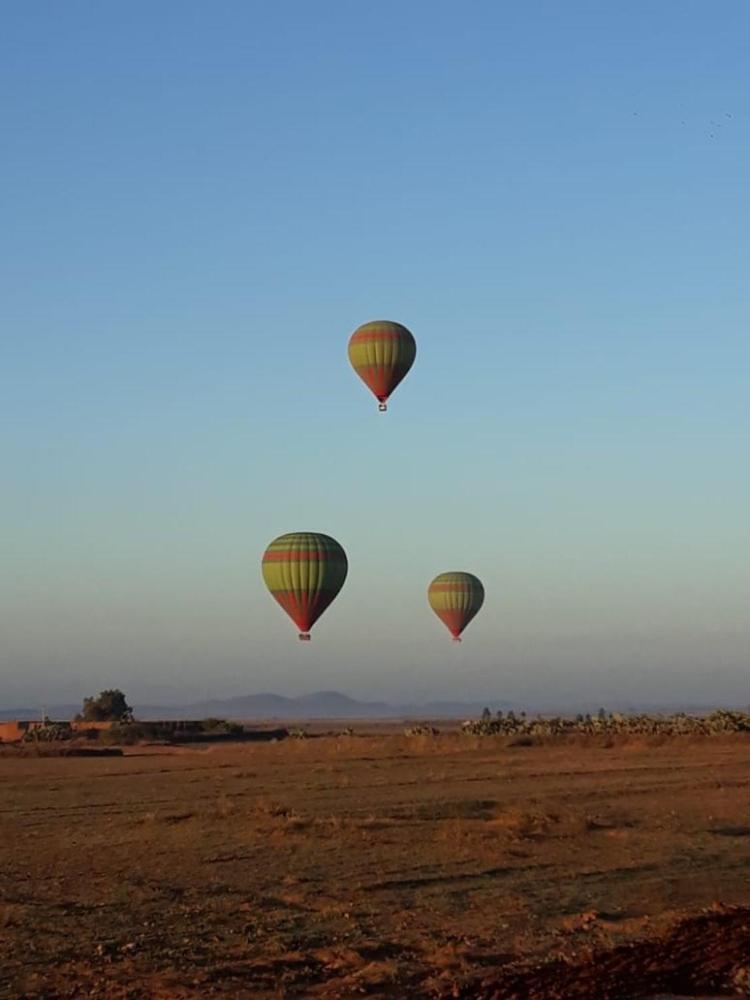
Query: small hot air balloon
(455, 598)
(381, 354)
(304, 572)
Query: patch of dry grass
(524, 824)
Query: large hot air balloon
(304, 572)
(455, 598)
(381, 354)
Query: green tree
(109, 706)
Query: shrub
(108, 706)
(421, 730)
(49, 732)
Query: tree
(486, 714)
(109, 706)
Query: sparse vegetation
(612, 724)
(48, 732)
(421, 730)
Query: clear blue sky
(201, 201)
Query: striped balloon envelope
(455, 598)
(381, 354)
(304, 571)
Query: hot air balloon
(381, 354)
(304, 572)
(455, 598)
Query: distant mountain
(318, 705)
(335, 705)
(331, 705)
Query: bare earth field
(379, 864)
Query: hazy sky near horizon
(201, 201)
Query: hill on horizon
(321, 705)
(268, 705)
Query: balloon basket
(304, 637)
(382, 407)
(456, 638)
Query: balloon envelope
(455, 598)
(381, 354)
(304, 571)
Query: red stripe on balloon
(370, 337)
(297, 555)
(304, 610)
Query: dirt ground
(379, 864)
